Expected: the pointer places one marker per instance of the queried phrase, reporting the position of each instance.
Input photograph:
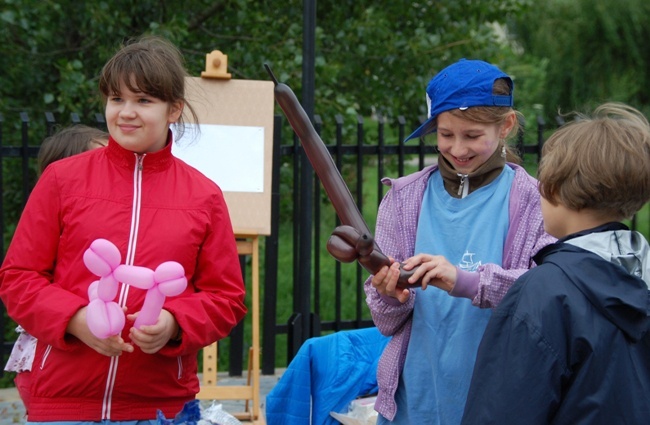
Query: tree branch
(205, 15)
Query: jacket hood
(620, 287)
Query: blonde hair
(67, 142)
(601, 163)
(150, 65)
(495, 115)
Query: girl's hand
(385, 281)
(111, 346)
(434, 270)
(151, 338)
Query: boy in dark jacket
(570, 342)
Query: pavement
(12, 410)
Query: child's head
(470, 89)
(70, 141)
(475, 92)
(600, 163)
(150, 66)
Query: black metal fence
(320, 291)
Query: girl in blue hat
(470, 226)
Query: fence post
(318, 125)
(271, 258)
(49, 123)
(294, 333)
(24, 118)
(359, 201)
(306, 172)
(338, 292)
(401, 123)
(100, 121)
(236, 343)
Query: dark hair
(67, 142)
(150, 65)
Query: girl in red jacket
(154, 208)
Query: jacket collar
(482, 176)
(611, 226)
(539, 257)
(152, 162)
(606, 264)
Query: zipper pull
(140, 161)
(463, 179)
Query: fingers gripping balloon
(104, 316)
(354, 241)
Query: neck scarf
(459, 185)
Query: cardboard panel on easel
(242, 104)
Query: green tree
(369, 55)
(595, 51)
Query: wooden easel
(247, 244)
(222, 101)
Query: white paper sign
(231, 156)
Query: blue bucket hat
(462, 85)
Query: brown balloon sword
(352, 240)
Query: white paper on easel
(231, 156)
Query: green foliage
(380, 58)
(595, 51)
(370, 56)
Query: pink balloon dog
(104, 316)
(168, 280)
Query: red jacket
(154, 208)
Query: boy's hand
(151, 338)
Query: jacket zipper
(463, 189)
(124, 290)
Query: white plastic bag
(215, 415)
(360, 412)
